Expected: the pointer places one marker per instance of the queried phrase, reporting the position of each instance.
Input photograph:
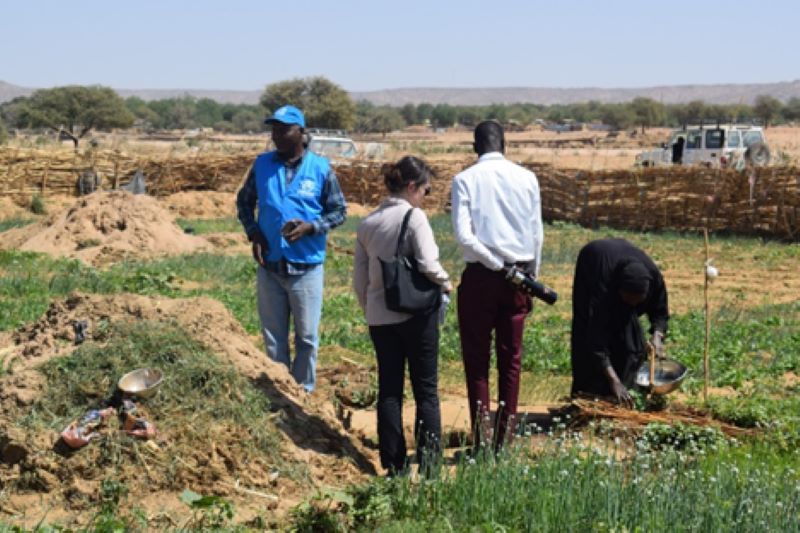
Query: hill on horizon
(668, 94)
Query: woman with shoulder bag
(398, 231)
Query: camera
(526, 283)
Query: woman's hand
(621, 394)
(618, 390)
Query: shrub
(37, 205)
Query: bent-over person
(615, 283)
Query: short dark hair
(409, 169)
(489, 137)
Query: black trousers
(417, 341)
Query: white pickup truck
(333, 144)
(717, 146)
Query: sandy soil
(11, 209)
(312, 434)
(740, 285)
(106, 227)
(358, 210)
(201, 204)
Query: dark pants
(486, 303)
(415, 340)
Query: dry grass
(533, 145)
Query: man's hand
(260, 247)
(658, 344)
(296, 229)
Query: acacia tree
(424, 112)
(648, 112)
(325, 104)
(75, 110)
(791, 111)
(141, 111)
(443, 116)
(383, 119)
(618, 116)
(409, 113)
(767, 108)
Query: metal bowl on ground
(142, 383)
(669, 374)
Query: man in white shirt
(497, 218)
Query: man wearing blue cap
(298, 200)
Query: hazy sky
(237, 44)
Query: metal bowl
(142, 383)
(669, 375)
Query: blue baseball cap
(287, 114)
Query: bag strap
(403, 229)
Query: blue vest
(278, 203)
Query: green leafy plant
(325, 511)
(108, 518)
(357, 508)
(576, 485)
(681, 436)
(208, 512)
(15, 222)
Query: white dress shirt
(497, 213)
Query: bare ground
(106, 227)
(311, 433)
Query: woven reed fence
(763, 202)
(26, 172)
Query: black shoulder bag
(408, 290)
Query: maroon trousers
(486, 303)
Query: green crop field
(596, 479)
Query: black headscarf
(634, 277)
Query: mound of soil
(106, 227)
(201, 204)
(10, 209)
(358, 210)
(311, 434)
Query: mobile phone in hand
(289, 226)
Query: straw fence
(26, 172)
(760, 202)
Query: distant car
(333, 144)
(566, 125)
(717, 146)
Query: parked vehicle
(333, 144)
(717, 146)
